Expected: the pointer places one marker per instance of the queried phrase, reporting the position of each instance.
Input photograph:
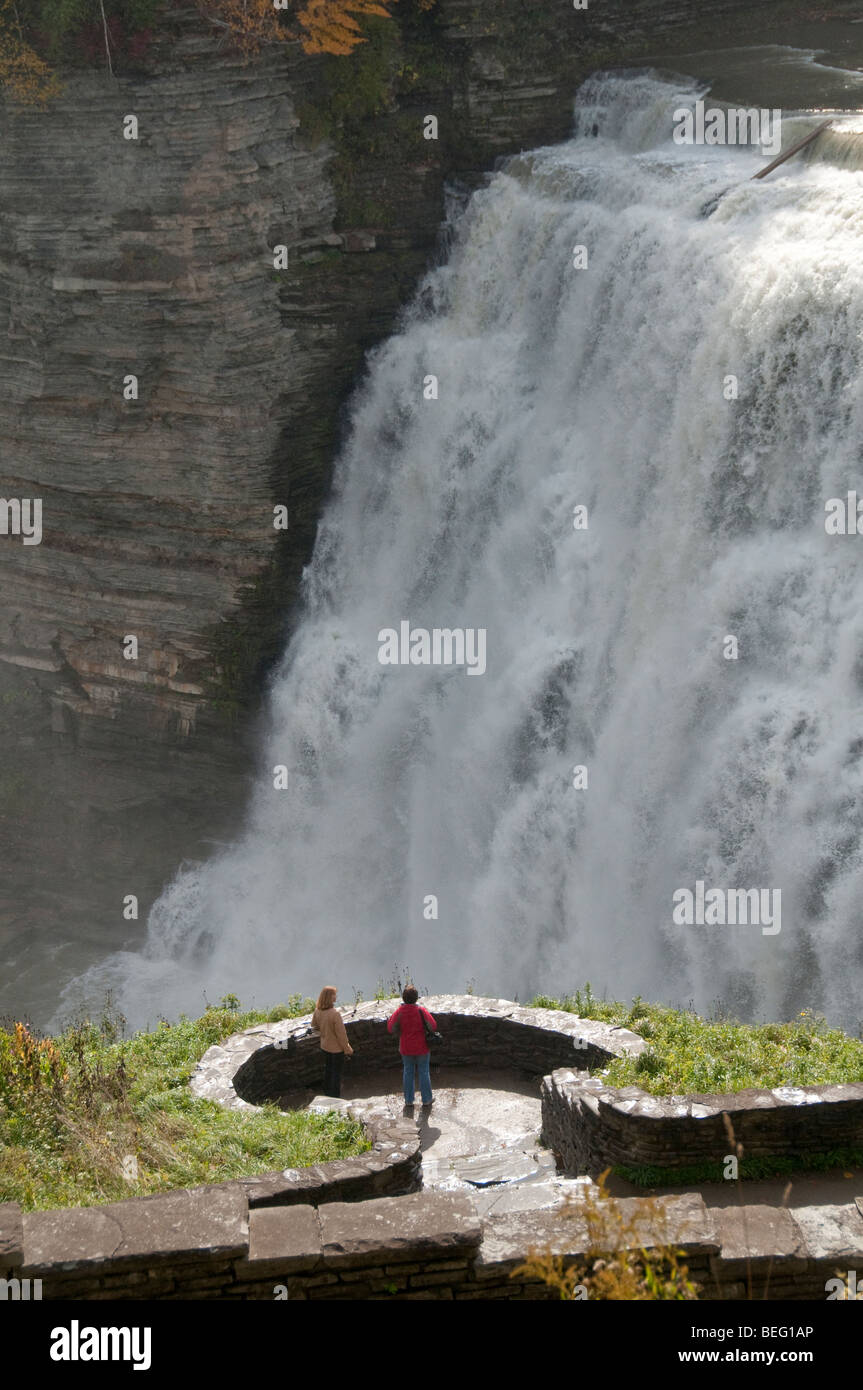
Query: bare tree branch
(107, 45)
(221, 22)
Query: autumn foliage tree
(23, 74)
(328, 26)
(322, 26)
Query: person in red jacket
(407, 1023)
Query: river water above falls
(605, 388)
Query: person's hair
(410, 995)
(327, 997)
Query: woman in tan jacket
(334, 1040)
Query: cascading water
(559, 387)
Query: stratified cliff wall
(153, 257)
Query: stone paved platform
(481, 1134)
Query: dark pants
(333, 1073)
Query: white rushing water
(559, 387)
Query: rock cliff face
(153, 258)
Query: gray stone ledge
(757, 1235)
(425, 1224)
(282, 1240)
(683, 1221)
(830, 1231)
(190, 1224)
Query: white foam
(559, 387)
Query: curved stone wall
(264, 1062)
(390, 1168)
(590, 1126)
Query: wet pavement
(481, 1134)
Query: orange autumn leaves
(23, 74)
(324, 26)
(28, 1065)
(329, 25)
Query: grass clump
(630, 1253)
(693, 1055)
(89, 1117)
(767, 1166)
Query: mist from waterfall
(560, 387)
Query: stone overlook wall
(273, 1059)
(590, 1126)
(288, 1234)
(264, 1062)
(206, 1243)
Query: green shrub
(89, 1117)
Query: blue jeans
(418, 1063)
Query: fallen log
(780, 159)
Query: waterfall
(607, 388)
